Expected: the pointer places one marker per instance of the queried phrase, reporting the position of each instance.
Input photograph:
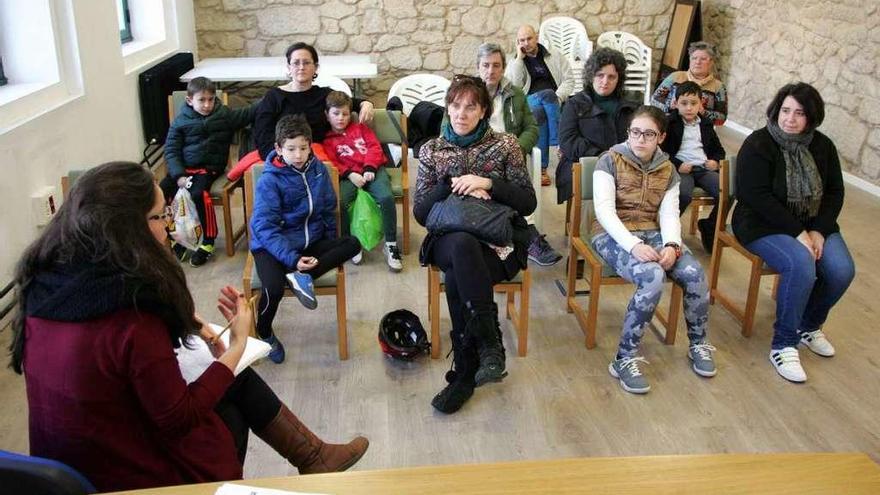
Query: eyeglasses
(301, 63)
(637, 133)
(165, 216)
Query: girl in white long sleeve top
(637, 232)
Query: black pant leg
(201, 183)
(474, 266)
(331, 253)
(271, 272)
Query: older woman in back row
(789, 195)
(701, 71)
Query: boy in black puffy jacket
(196, 152)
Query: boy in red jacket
(356, 153)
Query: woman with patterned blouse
(470, 159)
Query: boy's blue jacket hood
(292, 209)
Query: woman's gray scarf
(801, 174)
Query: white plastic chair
(638, 60)
(569, 37)
(419, 87)
(333, 82)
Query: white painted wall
(102, 125)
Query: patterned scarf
(804, 185)
(702, 82)
(468, 139)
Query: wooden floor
(559, 401)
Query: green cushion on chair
(607, 270)
(326, 280)
(218, 185)
(396, 181)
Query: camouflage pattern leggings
(648, 279)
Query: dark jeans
(330, 253)
(380, 189)
(808, 289)
(706, 179)
(544, 105)
(470, 268)
(248, 404)
(199, 185)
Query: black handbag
(486, 220)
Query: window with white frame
(124, 16)
(3, 79)
(40, 59)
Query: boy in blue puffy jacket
(293, 226)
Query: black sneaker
(180, 252)
(201, 255)
(707, 233)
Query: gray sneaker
(701, 355)
(541, 252)
(627, 371)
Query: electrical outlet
(43, 205)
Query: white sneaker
(356, 259)
(392, 256)
(817, 342)
(788, 364)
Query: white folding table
(236, 70)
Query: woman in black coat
(595, 119)
(789, 194)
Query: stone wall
(833, 45)
(763, 44)
(408, 36)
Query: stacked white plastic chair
(415, 88)
(333, 83)
(638, 60)
(569, 37)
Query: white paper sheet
(194, 362)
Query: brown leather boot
(296, 443)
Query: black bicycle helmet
(402, 335)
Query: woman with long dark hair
(102, 305)
(470, 159)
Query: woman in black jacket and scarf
(789, 194)
(595, 119)
(469, 159)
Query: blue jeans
(545, 107)
(699, 176)
(808, 289)
(649, 277)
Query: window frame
(3, 79)
(125, 34)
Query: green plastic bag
(366, 220)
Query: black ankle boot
(460, 378)
(485, 332)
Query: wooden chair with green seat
(331, 283)
(383, 125)
(699, 199)
(597, 272)
(724, 239)
(68, 180)
(519, 317)
(222, 190)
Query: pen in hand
(216, 338)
